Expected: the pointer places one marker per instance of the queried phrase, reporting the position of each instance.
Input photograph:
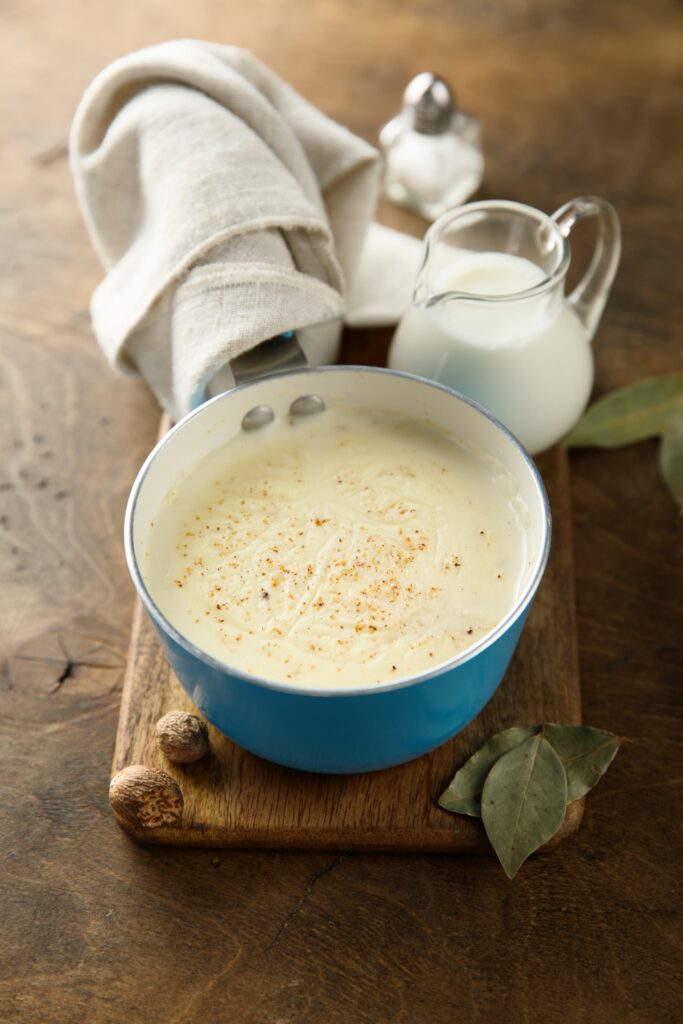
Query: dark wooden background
(576, 96)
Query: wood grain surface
(575, 97)
(235, 799)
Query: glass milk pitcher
(490, 317)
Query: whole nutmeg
(182, 737)
(146, 796)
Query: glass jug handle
(590, 295)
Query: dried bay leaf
(630, 414)
(523, 801)
(522, 779)
(463, 794)
(586, 754)
(671, 457)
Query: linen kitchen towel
(225, 209)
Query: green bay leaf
(523, 801)
(629, 414)
(463, 794)
(671, 457)
(586, 754)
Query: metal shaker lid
(429, 101)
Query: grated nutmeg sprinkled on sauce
(342, 549)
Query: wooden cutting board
(233, 798)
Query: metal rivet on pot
(306, 405)
(259, 416)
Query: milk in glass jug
(490, 317)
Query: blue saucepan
(359, 728)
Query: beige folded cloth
(226, 209)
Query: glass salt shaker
(432, 150)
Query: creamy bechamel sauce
(340, 549)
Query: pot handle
(272, 356)
(283, 352)
(590, 295)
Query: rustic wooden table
(575, 98)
